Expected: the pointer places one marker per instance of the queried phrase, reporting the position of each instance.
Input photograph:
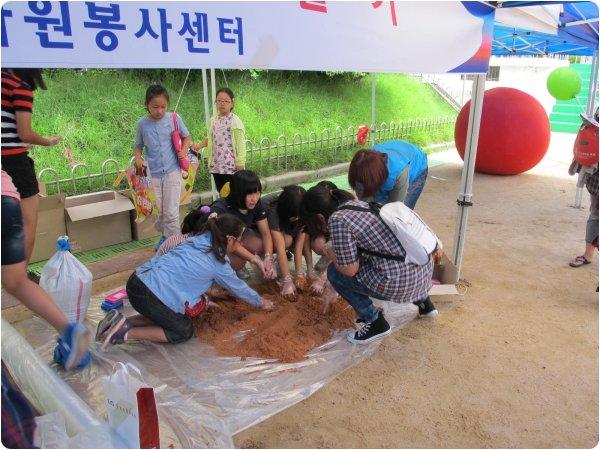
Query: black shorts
(177, 327)
(13, 236)
(21, 169)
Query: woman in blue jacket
(389, 172)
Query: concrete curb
(275, 182)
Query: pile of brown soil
(287, 333)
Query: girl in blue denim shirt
(169, 290)
(154, 134)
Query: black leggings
(177, 327)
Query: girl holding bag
(169, 290)
(155, 134)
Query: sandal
(579, 261)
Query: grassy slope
(96, 111)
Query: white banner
(380, 36)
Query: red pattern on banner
(314, 6)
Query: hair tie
(205, 209)
(212, 215)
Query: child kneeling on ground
(359, 244)
(169, 290)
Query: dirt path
(513, 363)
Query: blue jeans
(13, 236)
(414, 190)
(355, 293)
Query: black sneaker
(370, 331)
(426, 308)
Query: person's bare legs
(140, 321)
(15, 281)
(590, 251)
(152, 333)
(252, 242)
(29, 208)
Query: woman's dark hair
(328, 184)
(220, 227)
(194, 221)
(324, 201)
(368, 171)
(288, 206)
(156, 90)
(33, 77)
(242, 183)
(227, 91)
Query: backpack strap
(374, 209)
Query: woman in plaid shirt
(356, 273)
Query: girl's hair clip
(205, 209)
(212, 215)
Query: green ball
(564, 83)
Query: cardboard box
(445, 271)
(98, 219)
(50, 225)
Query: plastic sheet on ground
(204, 399)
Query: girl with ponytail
(192, 225)
(170, 289)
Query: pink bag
(176, 138)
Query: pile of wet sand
(287, 333)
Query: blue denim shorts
(13, 236)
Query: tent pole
(213, 89)
(593, 85)
(373, 109)
(213, 188)
(466, 193)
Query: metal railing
(268, 157)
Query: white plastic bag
(68, 282)
(131, 407)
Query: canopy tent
(542, 28)
(574, 21)
(517, 41)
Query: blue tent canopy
(576, 32)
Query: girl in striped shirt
(17, 136)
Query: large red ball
(514, 132)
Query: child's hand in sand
(329, 297)
(301, 282)
(287, 288)
(265, 304)
(318, 285)
(269, 272)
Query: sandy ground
(512, 363)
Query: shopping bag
(131, 407)
(144, 197)
(68, 282)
